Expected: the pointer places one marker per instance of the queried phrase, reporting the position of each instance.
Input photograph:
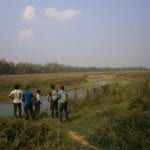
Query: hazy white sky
(103, 33)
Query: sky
(100, 33)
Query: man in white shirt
(15, 95)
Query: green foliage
(109, 92)
(93, 97)
(129, 127)
(140, 96)
(18, 134)
(113, 117)
(130, 131)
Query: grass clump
(20, 134)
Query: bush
(140, 95)
(127, 128)
(130, 131)
(93, 97)
(18, 134)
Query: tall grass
(38, 81)
(128, 128)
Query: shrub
(19, 134)
(130, 131)
(129, 128)
(140, 95)
(93, 97)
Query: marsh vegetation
(115, 116)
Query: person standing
(62, 103)
(37, 103)
(27, 101)
(17, 101)
(52, 98)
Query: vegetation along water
(113, 116)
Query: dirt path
(81, 139)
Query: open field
(116, 116)
(38, 81)
(70, 80)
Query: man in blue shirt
(62, 103)
(27, 101)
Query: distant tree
(23, 68)
(6, 67)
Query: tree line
(7, 67)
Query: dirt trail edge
(77, 137)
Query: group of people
(58, 100)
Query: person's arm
(22, 95)
(11, 95)
(32, 98)
(40, 102)
(31, 95)
(49, 96)
(59, 95)
(67, 97)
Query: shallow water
(6, 109)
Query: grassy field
(114, 117)
(39, 81)
(70, 80)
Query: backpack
(63, 97)
(53, 95)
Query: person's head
(17, 86)
(27, 87)
(61, 87)
(52, 86)
(38, 91)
